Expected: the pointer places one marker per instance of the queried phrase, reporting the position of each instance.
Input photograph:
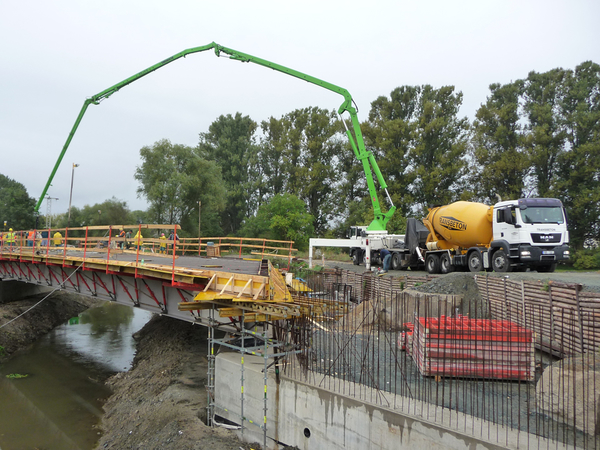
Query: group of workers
(31, 238)
(38, 239)
(138, 240)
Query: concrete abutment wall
(17, 290)
(309, 416)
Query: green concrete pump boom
(356, 141)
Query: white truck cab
(529, 232)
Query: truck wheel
(432, 263)
(446, 264)
(356, 257)
(396, 263)
(475, 264)
(500, 261)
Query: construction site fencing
(521, 360)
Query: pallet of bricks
(473, 348)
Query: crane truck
(381, 218)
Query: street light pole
(71, 194)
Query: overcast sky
(55, 54)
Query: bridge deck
(232, 284)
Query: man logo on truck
(452, 224)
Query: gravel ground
(590, 280)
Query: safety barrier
(107, 239)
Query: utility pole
(71, 194)
(49, 211)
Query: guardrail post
(137, 244)
(108, 249)
(174, 250)
(85, 244)
(48, 244)
(65, 246)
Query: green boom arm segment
(356, 141)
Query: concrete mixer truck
(511, 235)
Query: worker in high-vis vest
(138, 239)
(57, 238)
(10, 238)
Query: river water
(51, 394)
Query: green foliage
(586, 259)
(441, 141)
(501, 163)
(2, 351)
(578, 175)
(284, 218)
(545, 139)
(390, 135)
(16, 206)
(174, 178)
(540, 136)
(299, 154)
(229, 143)
(16, 376)
(110, 212)
(420, 144)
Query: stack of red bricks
(473, 348)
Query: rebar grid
(528, 363)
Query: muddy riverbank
(56, 309)
(161, 402)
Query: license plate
(548, 252)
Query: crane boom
(356, 141)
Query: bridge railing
(23, 244)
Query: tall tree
(545, 136)
(268, 163)
(230, 142)
(501, 162)
(174, 178)
(578, 183)
(390, 135)
(419, 142)
(16, 206)
(300, 154)
(441, 139)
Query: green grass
(15, 376)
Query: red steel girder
(163, 309)
(4, 270)
(31, 275)
(80, 276)
(65, 278)
(20, 270)
(41, 274)
(112, 295)
(135, 302)
(53, 275)
(187, 286)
